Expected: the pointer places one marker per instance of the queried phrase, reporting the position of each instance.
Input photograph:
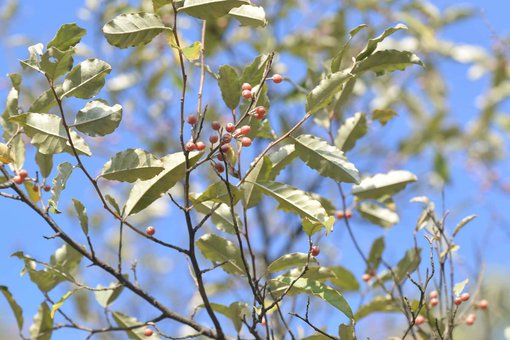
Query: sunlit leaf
(376, 214)
(219, 250)
(236, 312)
(387, 61)
(131, 165)
(106, 296)
(384, 115)
(260, 172)
(42, 324)
(64, 171)
(210, 9)
(249, 15)
(322, 94)
(219, 193)
(98, 118)
(16, 309)
(459, 287)
(291, 260)
(56, 306)
(221, 217)
(230, 86)
(372, 43)
(86, 79)
(128, 322)
(192, 52)
(351, 130)
(68, 35)
(462, 223)
(56, 63)
(45, 163)
(81, 212)
(383, 184)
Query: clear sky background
(22, 230)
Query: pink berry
(213, 139)
(277, 78)
(246, 86)
(227, 138)
(366, 277)
(190, 146)
(465, 296)
(483, 304)
(220, 157)
(18, 179)
(216, 125)
(23, 173)
(236, 133)
(150, 230)
(457, 301)
(245, 129)
(434, 302)
(230, 127)
(192, 119)
(219, 167)
(260, 112)
(246, 94)
(148, 332)
(246, 141)
(200, 146)
(433, 294)
(47, 188)
(470, 319)
(225, 148)
(315, 251)
(419, 320)
(35, 188)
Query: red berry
(225, 148)
(348, 214)
(192, 119)
(219, 167)
(18, 180)
(190, 146)
(465, 296)
(470, 319)
(35, 188)
(47, 188)
(483, 304)
(150, 230)
(216, 125)
(277, 78)
(220, 157)
(315, 251)
(236, 133)
(213, 139)
(260, 112)
(457, 301)
(227, 138)
(433, 294)
(246, 141)
(245, 129)
(434, 302)
(23, 173)
(230, 127)
(246, 94)
(339, 214)
(200, 146)
(246, 86)
(366, 277)
(148, 332)
(419, 320)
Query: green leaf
(462, 223)
(64, 171)
(68, 35)
(380, 304)
(66, 259)
(219, 193)
(336, 62)
(459, 287)
(383, 184)
(372, 43)
(281, 158)
(98, 118)
(45, 163)
(346, 332)
(235, 312)
(46, 100)
(344, 279)
(157, 4)
(131, 165)
(376, 214)
(56, 63)
(441, 167)
(261, 172)
(375, 255)
(210, 9)
(113, 203)
(49, 135)
(326, 159)
(383, 115)
(41, 328)
(106, 296)
(125, 321)
(249, 15)
(230, 86)
(60, 302)
(351, 130)
(16, 309)
(221, 216)
(85, 79)
(218, 249)
(133, 29)
(254, 72)
(296, 201)
(316, 288)
(387, 61)
(82, 215)
(407, 265)
(144, 193)
(291, 260)
(322, 94)
(192, 52)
